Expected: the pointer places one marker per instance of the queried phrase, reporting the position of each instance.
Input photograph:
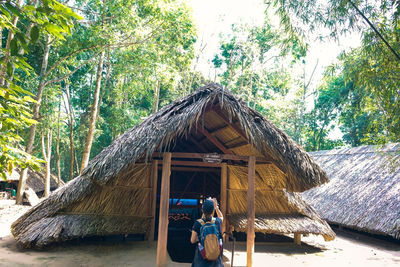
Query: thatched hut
(35, 181)
(206, 144)
(364, 191)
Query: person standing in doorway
(208, 253)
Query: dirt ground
(348, 249)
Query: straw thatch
(277, 211)
(364, 191)
(115, 188)
(35, 180)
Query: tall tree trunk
(156, 97)
(93, 114)
(32, 129)
(47, 158)
(108, 73)
(71, 132)
(299, 126)
(58, 143)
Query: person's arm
(219, 213)
(194, 238)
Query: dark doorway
(188, 191)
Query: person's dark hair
(208, 209)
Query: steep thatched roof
(364, 191)
(177, 119)
(115, 185)
(35, 180)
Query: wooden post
(297, 239)
(224, 174)
(164, 206)
(154, 174)
(251, 212)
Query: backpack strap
(218, 226)
(201, 221)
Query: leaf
(14, 47)
(13, 9)
(10, 69)
(35, 33)
(30, 121)
(5, 12)
(54, 30)
(10, 167)
(22, 40)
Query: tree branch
(101, 46)
(375, 30)
(71, 73)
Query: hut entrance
(185, 180)
(189, 187)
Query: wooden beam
(186, 155)
(193, 169)
(154, 174)
(234, 142)
(297, 239)
(213, 140)
(236, 128)
(242, 144)
(226, 120)
(251, 212)
(215, 130)
(223, 194)
(194, 163)
(164, 207)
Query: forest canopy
(76, 75)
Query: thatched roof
(115, 185)
(35, 180)
(364, 191)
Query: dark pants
(198, 261)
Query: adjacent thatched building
(118, 191)
(364, 191)
(35, 181)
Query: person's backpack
(210, 244)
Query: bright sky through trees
(124, 60)
(215, 17)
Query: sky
(215, 17)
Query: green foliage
(148, 44)
(338, 17)
(250, 61)
(149, 51)
(329, 101)
(370, 111)
(49, 17)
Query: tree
(150, 43)
(154, 43)
(372, 68)
(49, 17)
(330, 98)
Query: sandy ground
(348, 249)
